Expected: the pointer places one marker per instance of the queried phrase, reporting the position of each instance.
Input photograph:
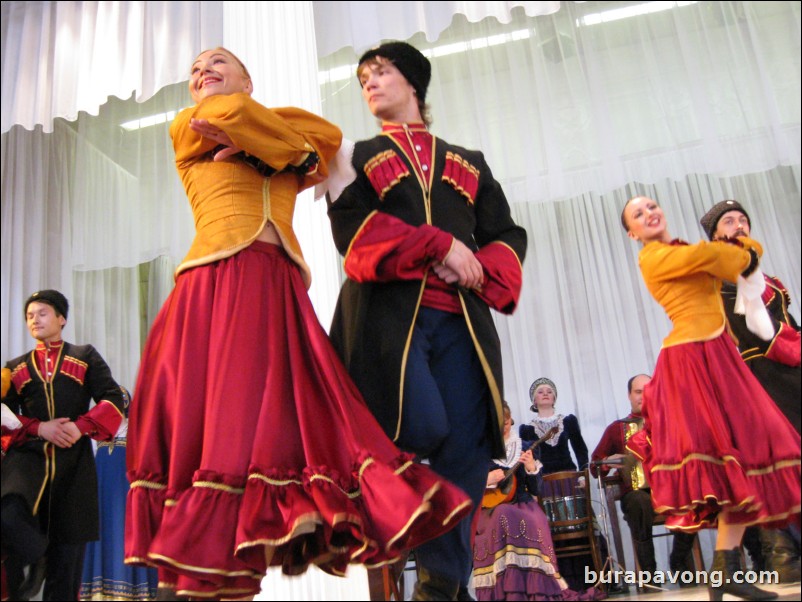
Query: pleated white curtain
(565, 107)
(360, 25)
(61, 58)
(277, 42)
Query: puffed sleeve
(723, 260)
(279, 137)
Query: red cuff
(387, 248)
(29, 429)
(30, 426)
(503, 277)
(785, 348)
(101, 422)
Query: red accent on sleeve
(387, 248)
(785, 348)
(30, 427)
(503, 277)
(101, 422)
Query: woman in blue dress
(105, 576)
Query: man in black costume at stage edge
(49, 483)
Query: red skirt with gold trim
(249, 445)
(714, 439)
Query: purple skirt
(513, 557)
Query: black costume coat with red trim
(64, 479)
(775, 363)
(374, 316)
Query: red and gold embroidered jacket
(392, 225)
(31, 465)
(775, 363)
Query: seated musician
(513, 553)
(636, 499)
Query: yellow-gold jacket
(686, 280)
(231, 200)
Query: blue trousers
(445, 416)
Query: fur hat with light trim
(710, 219)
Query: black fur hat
(408, 60)
(53, 298)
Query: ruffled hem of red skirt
(694, 491)
(290, 520)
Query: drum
(559, 509)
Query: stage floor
(785, 592)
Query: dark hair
(410, 61)
(629, 382)
(623, 211)
(425, 113)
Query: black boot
(782, 554)
(680, 559)
(726, 563)
(434, 587)
(33, 581)
(753, 542)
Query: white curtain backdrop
(63, 57)
(361, 24)
(575, 110)
(563, 109)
